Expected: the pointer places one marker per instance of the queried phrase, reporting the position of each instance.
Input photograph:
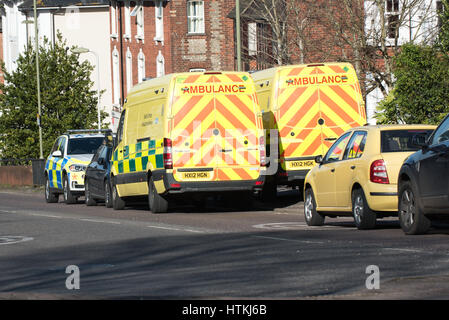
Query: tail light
(168, 159)
(378, 172)
(262, 150)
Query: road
(216, 252)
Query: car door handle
(352, 167)
(333, 170)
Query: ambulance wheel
(156, 202)
(89, 200)
(50, 197)
(117, 202)
(69, 198)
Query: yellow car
(359, 173)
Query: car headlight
(77, 167)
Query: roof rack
(88, 131)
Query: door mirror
(57, 154)
(319, 159)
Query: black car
(97, 179)
(423, 184)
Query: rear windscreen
(400, 140)
(84, 145)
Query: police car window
(84, 145)
(337, 148)
(442, 133)
(55, 146)
(356, 146)
(62, 145)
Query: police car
(67, 163)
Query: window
(160, 65)
(115, 75)
(252, 39)
(84, 145)
(392, 16)
(120, 127)
(442, 132)
(127, 34)
(129, 70)
(138, 12)
(55, 146)
(62, 145)
(337, 148)
(356, 145)
(195, 16)
(140, 66)
(400, 140)
(159, 20)
(114, 18)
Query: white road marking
(46, 216)
(175, 229)
(14, 239)
(101, 221)
(298, 226)
(291, 240)
(405, 250)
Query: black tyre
(156, 202)
(411, 219)
(88, 195)
(107, 195)
(269, 191)
(313, 218)
(364, 217)
(50, 197)
(117, 202)
(69, 198)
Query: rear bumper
(166, 184)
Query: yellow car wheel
(313, 218)
(364, 217)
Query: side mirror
(419, 140)
(57, 154)
(319, 159)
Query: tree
(67, 99)
(443, 35)
(421, 92)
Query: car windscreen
(84, 145)
(400, 140)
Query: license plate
(196, 175)
(300, 165)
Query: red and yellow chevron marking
(307, 95)
(215, 125)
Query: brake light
(378, 172)
(262, 150)
(168, 159)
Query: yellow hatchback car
(359, 173)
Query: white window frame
(127, 14)
(197, 70)
(140, 66)
(160, 65)
(252, 38)
(391, 13)
(138, 12)
(129, 70)
(116, 76)
(159, 20)
(114, 33)
(195, 20)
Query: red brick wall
(213, 50)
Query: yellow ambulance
(306, 107)
(190, 134)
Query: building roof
(28, 4)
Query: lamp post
(36, 41)
(80, 50)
